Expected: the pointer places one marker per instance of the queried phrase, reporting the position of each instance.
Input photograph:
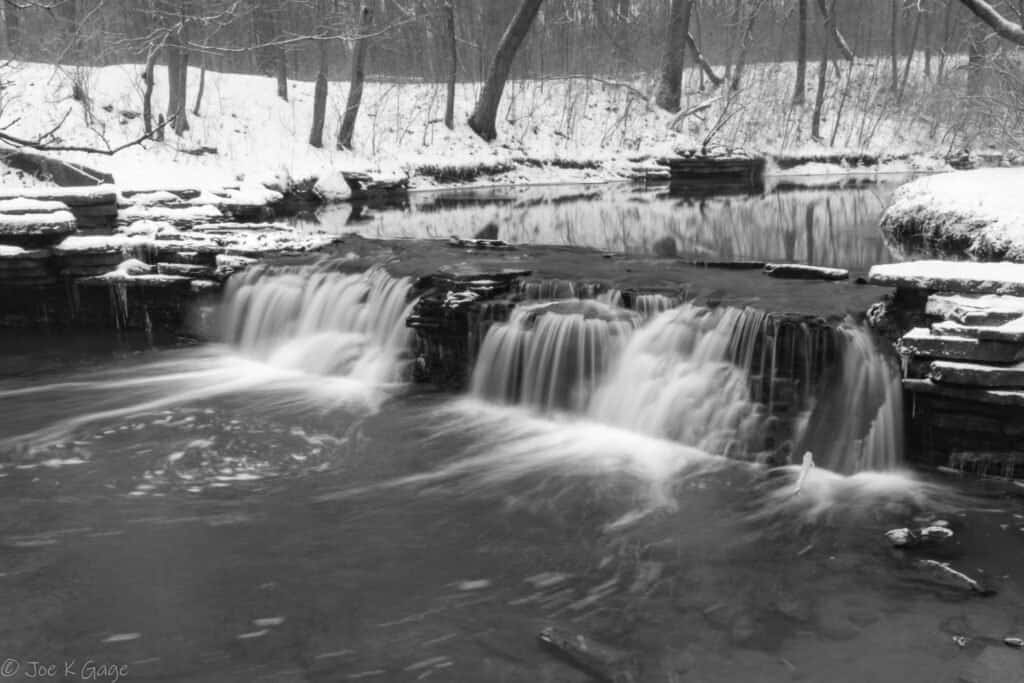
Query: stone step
(985, 309)
(1013, 398)
(959, 277)
(36, 229)
(920, 341)
(1011, 332)
(977, 374)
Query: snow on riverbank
(968, 214)
(551, 130)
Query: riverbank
(556, 130)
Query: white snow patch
(23, 205)
(983, 209)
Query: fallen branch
(42, 147)
(695, 109)
(715, 79)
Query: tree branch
(1000, 24)
(42, 147)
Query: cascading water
(723, 380)
(856, 424)
(551, 355)
(321, 322)
(676, 380)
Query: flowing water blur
(283, 507)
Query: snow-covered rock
(332, 187)
(975, 214)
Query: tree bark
(355, 89)
(485, 112)
(668, 95)
(799, 89)
(975, 60)
(453, 63)
(316, 133)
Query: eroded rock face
(969, 214)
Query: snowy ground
(970, 214)
(601, 129)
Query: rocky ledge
(963, 360)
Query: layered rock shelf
(964, 362)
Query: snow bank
(975, 214)
(261, 139)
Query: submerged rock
(912, 538)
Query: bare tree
(669, 92)
(355, 88)
(801, 54)
(486, 110)
(453, 62)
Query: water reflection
(813, 222)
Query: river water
(804, 223)
(283, 506)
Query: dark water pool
(825, 226)
(166, 518)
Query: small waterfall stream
(321, 322)
(726, 381)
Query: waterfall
(677, 379)
(321, 322)
(727, 381)
(551, 355)
(856, 423)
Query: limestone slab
(977, 374)
(1011, 332)
(920, 341)
(1013, 398)
(959, 277)
(985, 309)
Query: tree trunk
(668, 95)
(355, 89)
(705, 67)
(485, 112)
(316, 133)
(741, 61)
(975, 59)
(282, 74)
(12, 28)
(801, 54)
(910, 54)
(1000, 24)
(928, 31)
(819, 98)
(148, 77)
(177, 85)
(453, 63)
(833, 29)
(894, 47)
(201, 90)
